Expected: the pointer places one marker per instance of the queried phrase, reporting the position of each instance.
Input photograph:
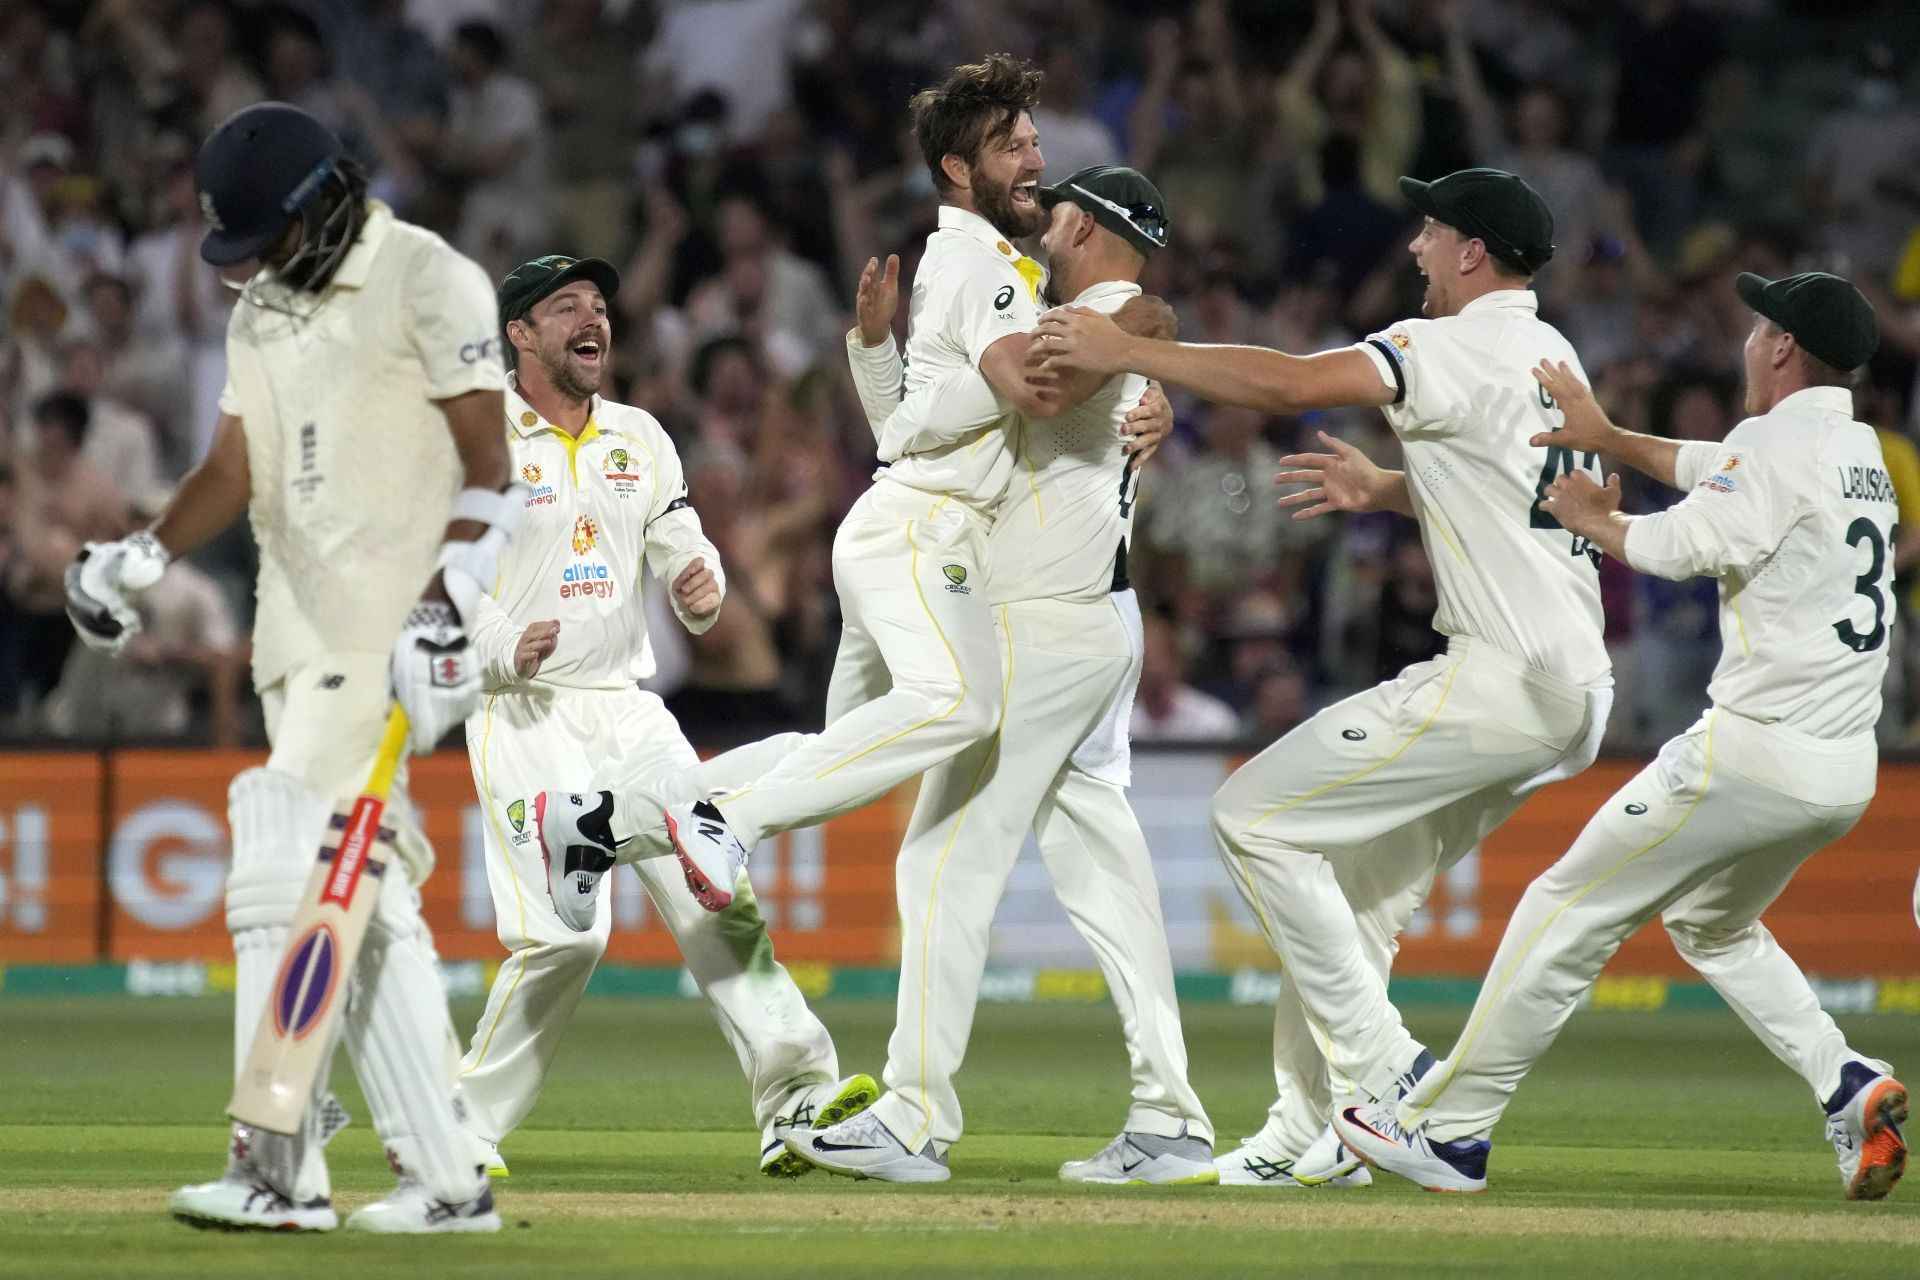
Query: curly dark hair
(976, 104)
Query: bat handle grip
(393, 747)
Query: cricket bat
(296, 1032)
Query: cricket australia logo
(586, 534)
(517, 815)
(620, 472)
(957, 579)
(211, 214)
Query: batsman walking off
(1793, 513)
(1335, 833)
(360, 430)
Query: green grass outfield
(1647, 1145)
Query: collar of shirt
(526, 422)
(954, 218)
(1818, 399)
(1106, 289)
(358, 266)
(1503, 300)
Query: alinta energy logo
(542, 495)
(586, 577)
(531, 473)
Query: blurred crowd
(741, 159)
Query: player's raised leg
(908, 568)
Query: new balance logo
(712, 831)
(331, 682)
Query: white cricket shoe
(864, 1148)
(1373, 1132)
(1145, 1159)
(816, 1106)
(496, 1163)
(409, 1210)
(235, 1204)
(711, 857)
(576, 843)
(1863, 1124)
(1257, 1162)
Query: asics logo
(1268, 1170)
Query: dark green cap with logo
(1120, 199)
(1493, 206)
(529, 282)
(1826, 315)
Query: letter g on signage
(167, 864)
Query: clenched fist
(697, 590)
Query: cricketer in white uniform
(1069, 631)
(562, 640)
(1335, 833)
(364, 380)
(917, 676)
(1794, 514)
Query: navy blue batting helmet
(254, 172)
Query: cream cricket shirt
(353, 467)
(1070, 508)
(1070, 505)
(1794, 514)
(967, 295)
(1466, 405)
(604, 507)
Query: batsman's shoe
(864, 1148)
(496, 1163)
(410, 1211)
(1145, 1159)
(576, 843)
(818, 1106)
(712, 859)
(1327, 1163)
(1372, 1131)
(234, 1204)
(1863, 1124)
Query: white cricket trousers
(917, 663)
(1706, 835)
(537, 738)
(1056, 766)
(1334, 835)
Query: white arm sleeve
(675, 538)
(939, 413)
(1729, 521)
(494, 636)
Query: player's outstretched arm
(1342, 479)
(1590, 511)
(1258, 378)
(1588, 429)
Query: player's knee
(576, 950)
(969, 709)
(1703, 938)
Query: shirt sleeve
(674, 536)
(986, 307)
(934, 415)
(1410, 357)
(1696, 460)
(456, 327)
(495, 636)
(1732, 518)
